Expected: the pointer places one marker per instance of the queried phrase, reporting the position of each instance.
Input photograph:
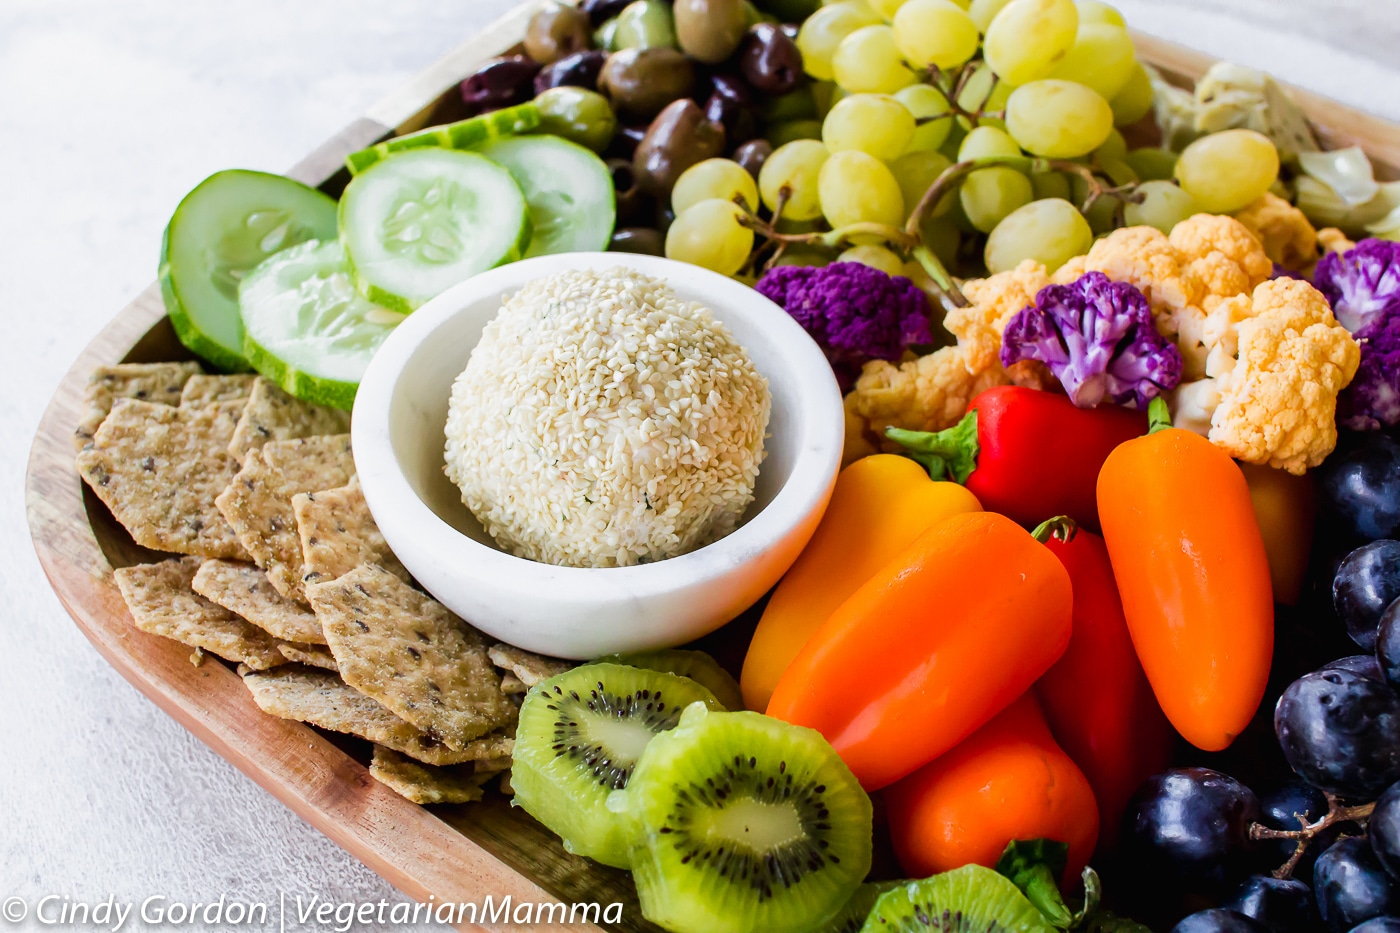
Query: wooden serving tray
(457, 853)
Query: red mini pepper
(1027, 453)
(1097, 699)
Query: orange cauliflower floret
(927, 394)
(1223, 253)
(1333, 240)
(1144, 257)
(1278, 389)
(994, 301)
(1288, 238)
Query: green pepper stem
(949, 454)
(1159, 416)
(1061, 526)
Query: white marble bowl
(571, 612)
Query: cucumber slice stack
(464, 134)
(306, 328)
(226, 226)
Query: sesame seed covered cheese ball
(603, 422)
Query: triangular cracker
(244, 589)
(273, 415)
(159, 469)
(310, 655)
(151, 382)
(338, 534)
(410, 653)
(528, 667)
(427, 784)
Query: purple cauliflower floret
(1098, 338)
(1363, 287)
(855, 312)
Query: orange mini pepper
(1286, 507)
(1008, 781)
(1194, 577)
(880, 505)
(939, 641)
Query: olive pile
(656, 87)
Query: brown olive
(710, 30)
(643, 81)
(632, 205)
(600, 11)
(556, 30)
(752, 154)
(646, 240)
(577, 70)
(680, 136)
(769, 60)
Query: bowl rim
(816, 460)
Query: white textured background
(109, 111)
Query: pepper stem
(948, 454)
(1061, 526)
(1159, 416)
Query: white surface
(579, 612)
(109, 112)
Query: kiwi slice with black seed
(744, 824)
(971, 899)
(697, 665)
(852, 916)
(578, 740)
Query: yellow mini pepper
(881, 504)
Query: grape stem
(1336, 813)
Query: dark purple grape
(769, 60)
(1219, 920)
(600, 11)
(1384, 830)
(501, 82)
(752, 154)
(1378, 925)
(577, 70)
(1361, 485)
(1364, 664)
(1340, 732)
(1281, 807)
(1192, 825)
(1281, 906)
(1351, 885)
(1388, 643)
(1367, 581)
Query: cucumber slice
(569, 189)
(421, 221)
(229, 223)
(464, 134)
(305, 327)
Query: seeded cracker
(204, 390)
(529, 668)
(425, 783)
(513, 686)
(258, 501)
(338, 534)
(152, 382)
(244, 589)
(159, 469)
(323, 699)
(311, 655)
(162, 603)
(273, 415)
(410, 653)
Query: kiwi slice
(697, 665)
(744, 823)
(971, 899)
(579, 738)
(852, 916)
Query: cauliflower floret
(1333, 240)
(927, 394)
(1278, 398)
(1143, 256)
(858, 443)
(1198, 238)
(994, 301)
(1288, 238)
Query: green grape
(873, 123)
(1119, 172)
(1102, 58)
(713, 178)
(989, 194)
(1058, 119)
(1152, 164)
(800, 104)
(987, 141)
(935, 32)
(1050, 231)
(1226, 171)
(1134, 101)
(1164, 206)
(1114, 147)
(886, 8)
(801, 255)
(780, 134)
(916, 172)
(796, 166)
(940, 234)
(856, 187)
(983, 92)
(823, 31)
(868, 61)
(1103, 215)
(925, 101)
(984, 11)
(1028, 37)
(709, 234)
(877, 257)
(825, 95)
(1050, 185)
(1092, 11)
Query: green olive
(645, 24)
(556, 30)
(710, 30)
(577, 114)
(640, 82)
